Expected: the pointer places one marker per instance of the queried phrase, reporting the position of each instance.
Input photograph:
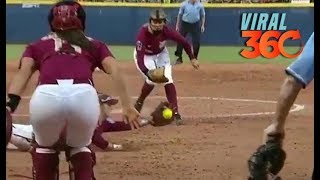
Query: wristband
(13, 102)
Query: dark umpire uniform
(191, 19)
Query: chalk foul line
(296, 107)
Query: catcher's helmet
(66, 15)
(158, 15)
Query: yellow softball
(167, 113)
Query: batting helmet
(8, 126)
(66, 15)
(158, 15)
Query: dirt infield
(219, 135)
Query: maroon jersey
(149, 44)
(57, 59)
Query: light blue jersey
(191, 13)
(303, 68)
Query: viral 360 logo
(266, 35)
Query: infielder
(152, 58)
(65, 95)
(269, 159)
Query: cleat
(178, 119)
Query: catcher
(268, 160)
(22, 135)
(152, 59)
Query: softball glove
(157, 116)
(157, 75)
(268, 160)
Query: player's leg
(22, 136)
(170, 89)
(116, 124)
(46, 117)
(196, 33)
(183, 31)
(74, 170)
(109, 125)
(81, 123)
(148, 86)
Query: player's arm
(140, 49)
(20, 80)
(110, 66)
(288, 94)
(300, 74)
(269, 158)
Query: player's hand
(131, 116)
(195, 63)
(202, 29)
(273, 129)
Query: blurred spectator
(203, 1)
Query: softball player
(65, 95)
(108, 124)
(22, 135)
(151, 53)
(300, 74)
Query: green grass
(208, 54)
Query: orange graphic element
(294, 35)
(265, 42)
(253, 42)
(261, 43)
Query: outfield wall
(119, 25)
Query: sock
(82, 164)
(98, 140)
(45, 165)
(145, 91)
(172, 96)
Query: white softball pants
(156, 61)
(54, 107)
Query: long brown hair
(76, 37)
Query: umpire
(191, 19)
